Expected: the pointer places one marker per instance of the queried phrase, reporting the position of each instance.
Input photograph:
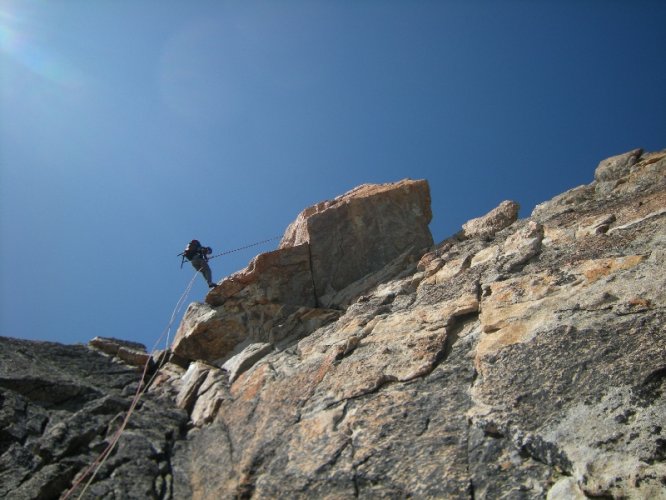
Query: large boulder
(497, 219)
(362, 231)
(616, 167)
(283, 276)
(251, 305)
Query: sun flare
(22, 43)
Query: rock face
(494, 221)
(361, 232)
(59, 407)
(332, 252)
(516, 359)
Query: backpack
(192, 249)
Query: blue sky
(128, 128)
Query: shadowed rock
(59, 408)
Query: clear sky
(129, 127)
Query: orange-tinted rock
(362, 231)
(497, 219)
(282, 276)
(330, 255)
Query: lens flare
(16, 44)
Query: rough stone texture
(282, 276)
(111, 346)
(214, 334)
(245, 359)
(497, 219)
(332, 253)
(59, 408)
(526, 365)
(131, 353)
(361, 231)
(529, 364)
(616, 167)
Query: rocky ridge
(516, 359)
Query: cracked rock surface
(518, 359)
(59, 408)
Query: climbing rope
(246, 247)
(140, 391)
(143, 386)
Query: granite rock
(361, 231)
(59, 409)
(332, 253)
(521, 361)
(505, 214)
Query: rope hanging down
(245, 247)
(91, 472)
(93, 469)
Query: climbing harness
(193, 249)
(182, 254)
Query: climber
(198, 256)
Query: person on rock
(198, 254)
